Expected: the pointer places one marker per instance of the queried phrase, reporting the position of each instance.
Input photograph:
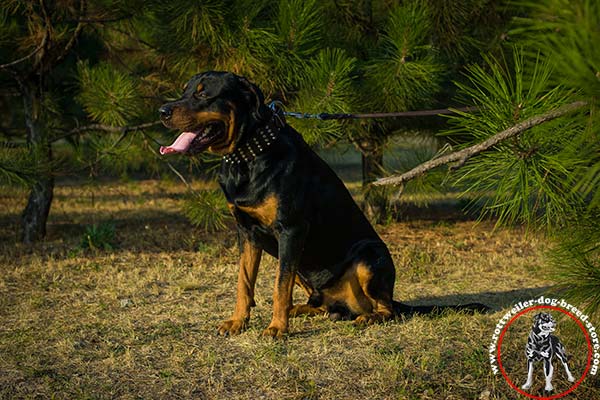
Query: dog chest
(264, 212)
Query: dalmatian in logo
(542, 346)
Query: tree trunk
(375, 204)
(35, 215)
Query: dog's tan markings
(305, 309)
(348, 290)
(265, 212)
(180, 118)
(249, 262)
(185, 120)
(353, 290)
(282, 302)
(300, 282)
(207, 116)
(199, 87)
(382, 309)
(227, 144)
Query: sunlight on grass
(139, 320)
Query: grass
(139, 321)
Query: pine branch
(106, 128)
(133, 37)
(463, 155)
(28, 56)
(75, 36)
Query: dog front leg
(291, 244)
(249, 262)
(529, 381)
(549, 372)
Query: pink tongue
(180, 144)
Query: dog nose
(165, 112)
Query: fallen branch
(463, 155)
(106, 128)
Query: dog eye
(200, 95)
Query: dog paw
(571, 378)
(300, 309)
(526, 386)
(369, 319)
(232, 327)
(275, 332)
(304, 309)
(549, 387)
(364, 319)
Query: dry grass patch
(140, 321)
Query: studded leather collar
(256, 145)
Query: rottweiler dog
(287, 202)
(543, 346)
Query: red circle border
(585, 372)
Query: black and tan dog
(286, 202)
(543, 346)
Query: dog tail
(401, 309)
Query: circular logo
(544, 348)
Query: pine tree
(406, 55)
(95, 71)
(545, 177)
(92, 73)
(404, 74)
(43, 41)
(567, 35)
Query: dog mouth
(197, 140)
(547, 328)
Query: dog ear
(256, 99)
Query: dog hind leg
(311, 308)
(560, 353)
(570, 376)
(376, 279)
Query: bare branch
(463, 155)
(101, 20)
(106, 128)
(28, 56)
(75, 36)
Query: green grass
(139, 321)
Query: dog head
(544, 324)
(214, 112)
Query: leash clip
(279, 115)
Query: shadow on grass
(495, 300)
(140, 231)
